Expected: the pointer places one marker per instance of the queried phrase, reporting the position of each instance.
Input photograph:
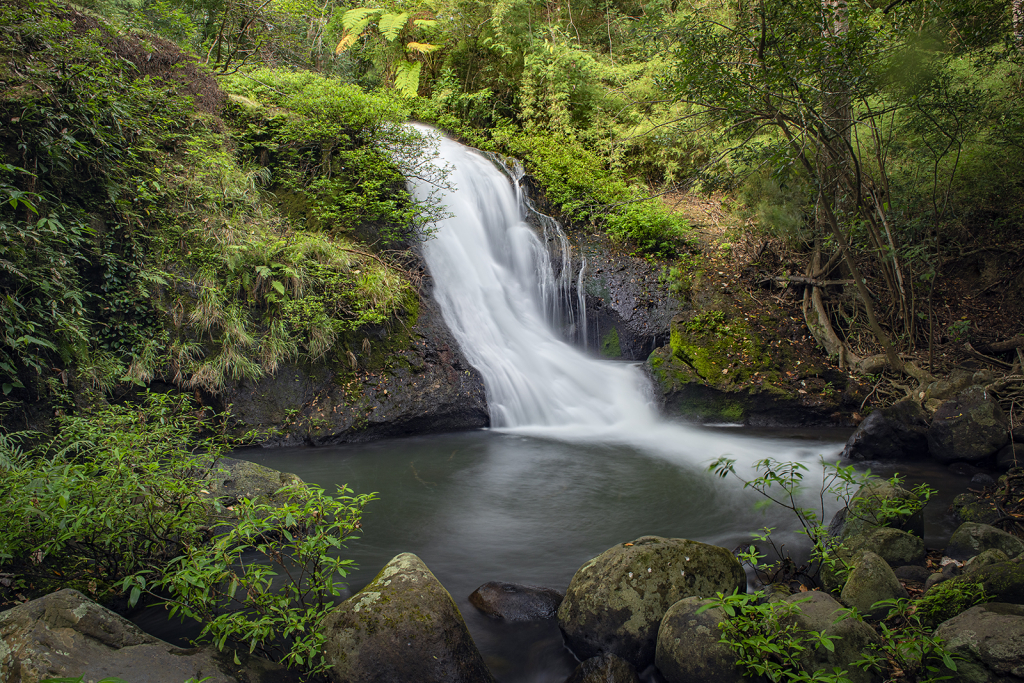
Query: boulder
(870, 581)
(817, 611)
(1004, 581)
(913, 573)
(606, 668)
(65, 634)
(865, 511)
(403, 626)
(231, 480)
(988, 640)
(1011, 455)
(515, 602)
(897, 432)
(616, 601)
(688, 650)
(897, 548)
(984, 559)
(969, 507)
(972, 538)
(970, 426)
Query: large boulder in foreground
(616, 601)
(970, 427)
(403, 626)
(688, 650)
(897, 432)
(871, 581)
(516, 602)
(989, 642)
(65, 634)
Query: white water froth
(488, 266)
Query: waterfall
(498, 292)
(496, 288)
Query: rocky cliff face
(409, 379)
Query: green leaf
(357, 19)
(407, 78)
(392, 24)
(276, 284)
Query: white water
(491, 271)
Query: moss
(610, 344)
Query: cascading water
(494, 282)
(490, 270)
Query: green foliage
(111, 494)
(269, 579)
(948, 599)
(768, 642)
(650, 227)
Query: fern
(407, 78)
(392, 24)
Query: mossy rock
(971, 539)
(403, 626)
(616, 600)
(898, 548)
(1004, 581)
(688, 645)
(871, 581)
(868, 511)
(818, 611)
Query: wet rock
(516, 602)
(896, 547)
(688, 650)
(616, 601)
(970, 426)
(64, 634)
(410, 379)
(817, 611)
(968, 507)
(912, 573)
(870, 581)
(948, 571)
(606, 668)
(982, 480)
(988, 640)
(897, 432)
(403, 626)
(972, 539)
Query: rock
(428, 386)
(231, 480)
(912, 573)
(970, 426)
(606, 668)
(864, 511)
(817, 611)
(515, 602)
(403, 626)
(988, 640)
(64, 634)
(870, 581)
(897, 432)
(934, 580)
(963, 469)
(896, 547)
(968, 507)
(616, 600)
(972, 539)
(983, 480)
(1004, 581)
(984, 559)
(1011, 455)
(688, 650)
(942, 389)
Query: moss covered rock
(896, 547)
(970, 426)
(817, 611)
(1004, 581)
(403, 626)
(878, 503)
(871, 581)
(688, 650)
(988, 641)
(606, 668)
(972, 538)
(616, 601)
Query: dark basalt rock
(970, 426)
(616, 601)
(897, 432)
(972, 539)
(516, 602)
